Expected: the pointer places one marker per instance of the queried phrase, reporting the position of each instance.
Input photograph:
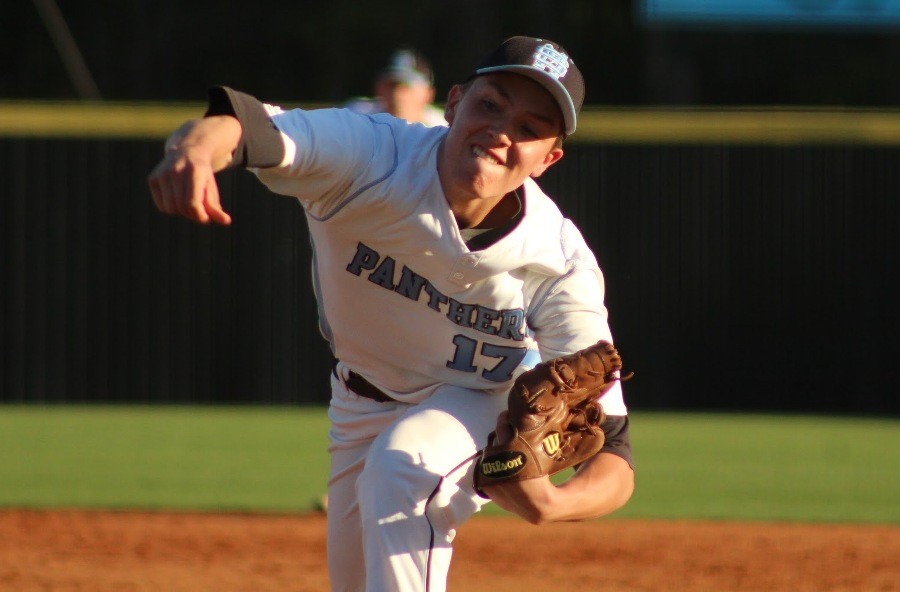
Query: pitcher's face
(503, 128)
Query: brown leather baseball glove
(554, 417)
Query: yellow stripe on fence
(93, 120)
(596, 124)
(767, 126)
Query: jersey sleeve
(565, 306)
(570, 316)
(331, 156)
(322, 157)
(568, 313)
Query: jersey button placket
(462, 267)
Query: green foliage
(716, 466)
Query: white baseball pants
(400, 486)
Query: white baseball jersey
(439, 321)
(403, 300)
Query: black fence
(739, 277)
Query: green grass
(716, 466)
(766, 467)
(249, 458)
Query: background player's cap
(545, 62)
(408, 67)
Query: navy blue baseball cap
(545, 62)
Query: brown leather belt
(363, 387)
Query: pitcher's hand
(184, 181)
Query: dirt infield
(137, 551)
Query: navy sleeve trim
(260, 144)
(618, 441)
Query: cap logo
(555, 63)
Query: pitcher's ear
(552, 158)
(453, 98)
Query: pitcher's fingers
(214, 204)
(168, 193)
(159, 190)
(193, 190)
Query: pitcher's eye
(489, 105)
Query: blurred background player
(405, 89)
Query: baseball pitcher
(466, 313)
